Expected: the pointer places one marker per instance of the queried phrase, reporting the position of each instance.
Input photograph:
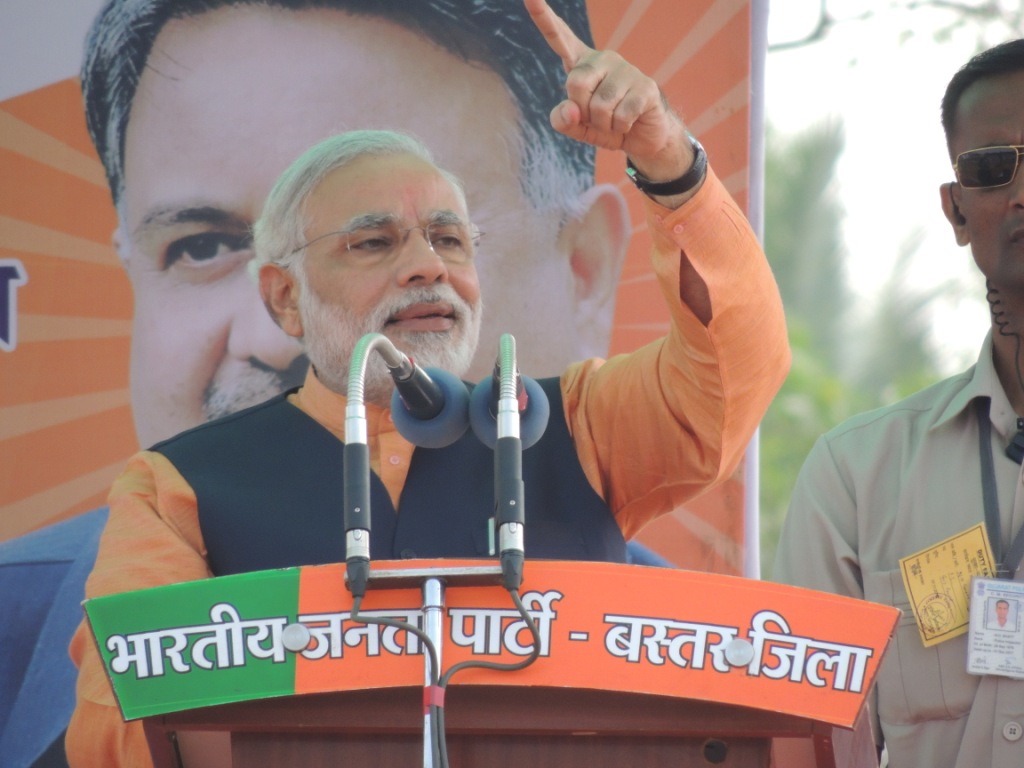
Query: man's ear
(597, 240)
(280, 292)
(950, 194)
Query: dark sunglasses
(987, 167)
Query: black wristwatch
(684, 183)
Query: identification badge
(938, 583)
(995, 645)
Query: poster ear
(597, 241)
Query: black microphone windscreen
(532, 423)
(447, 426)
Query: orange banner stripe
(55, 200)
(90, 280)
(71, 449)
(85, 366)
(56, 109)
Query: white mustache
(440, 294)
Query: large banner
(112, 338)
(126, 311)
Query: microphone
(430, 407)
(429, 410)
(356, 471)
(499, 408)
(530, 404)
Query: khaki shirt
(889, 483)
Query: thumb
(566, 118)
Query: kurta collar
(328, 407)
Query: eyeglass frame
(383, 221)
(1019, 149)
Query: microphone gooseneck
(430, 408)
(497, 423)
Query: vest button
(407, 554)
(1012, 731)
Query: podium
(638, 666)
(486, 727)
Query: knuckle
(632, 106)
(607, 92)
(581, 79)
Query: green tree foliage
(850, 354)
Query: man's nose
(1017, 185)
(418, 262)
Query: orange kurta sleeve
(656, 427)
(152, 538)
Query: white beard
(331, 332)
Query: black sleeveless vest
(268, 481)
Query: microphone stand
(509, 517)
(356, 501)
(356, 468)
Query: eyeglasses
(987, 167)
(453, 241)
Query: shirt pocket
(917, 684)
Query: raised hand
(612, 104)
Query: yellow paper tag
(938, 581)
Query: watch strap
(685, 183)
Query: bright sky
(886, 86)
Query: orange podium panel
(636, 665)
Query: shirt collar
(983, 382)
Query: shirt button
(1012, 731)
(678, 229)
(395, 459)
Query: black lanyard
(1006, 566)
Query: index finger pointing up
(561, 39)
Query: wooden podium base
(485, 725)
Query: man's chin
(448, 349)
(419, 344)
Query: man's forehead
(388, 184)
(390, 218)
(989, 105)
